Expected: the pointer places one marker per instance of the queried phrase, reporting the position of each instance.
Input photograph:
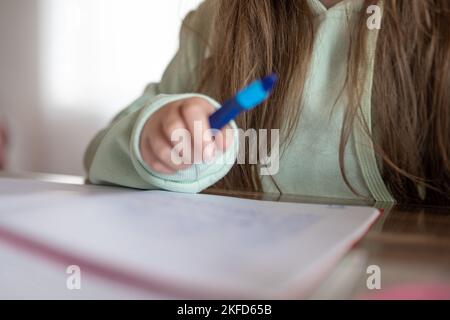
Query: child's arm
(115, 157)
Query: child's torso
(310, 164)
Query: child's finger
(175, 131)
(224, 138)
(195, 116)
(173, 127)
(152, 160)
(163, 151)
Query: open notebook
(183, 246)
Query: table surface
(410, 245)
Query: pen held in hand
(247, 99)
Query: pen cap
(257, 92)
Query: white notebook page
(214, 246)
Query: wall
(67, 66)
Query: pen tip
(269, 82)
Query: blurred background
(68, 66)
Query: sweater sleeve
(113, 156)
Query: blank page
(192, 245)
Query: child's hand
(189, 116)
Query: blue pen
(247, 99)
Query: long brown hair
(411, 88)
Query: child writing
(362, 112)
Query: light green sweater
(310, 164)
